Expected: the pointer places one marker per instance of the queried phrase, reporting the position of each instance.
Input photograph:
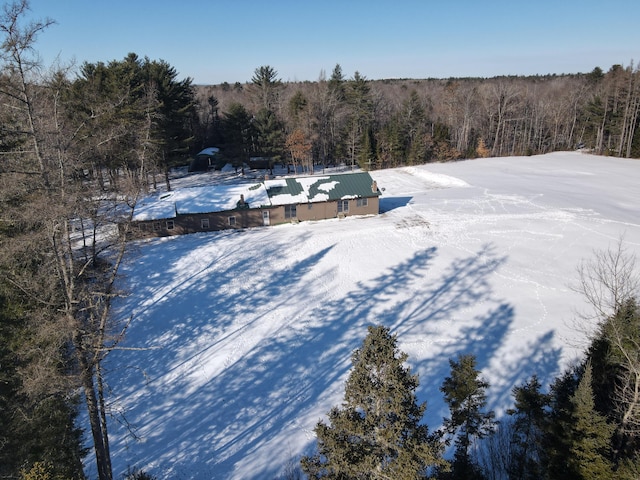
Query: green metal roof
(320, 188)
(289, 186)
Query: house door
(265, 217)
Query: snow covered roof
(285, 191)
(321, 188)
(205, 199)
(209, 151)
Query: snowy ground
(248, 334)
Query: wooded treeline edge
(77, 149)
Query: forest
(388, 123)
(79, 147)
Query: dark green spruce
(376, 433)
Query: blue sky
(216, 41)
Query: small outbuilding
(209, 158)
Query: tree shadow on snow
(230, 398)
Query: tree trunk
(103, 463)
(167, 181)
(103, 418)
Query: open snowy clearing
(248, 334)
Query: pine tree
(175, 112)
(413, 122)
(529, 417)
(269, 137)
(237, 133)
(367, 156)
(621, 333)
(336, 82)
(592, 434)
(360, 102)
(557, 434)
(464, 392)
(152, 113)
(265, 87)
(391, 145)
(376, 433)
(610, 282)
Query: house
(271, 202)
(321, 197)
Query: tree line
(78, 147)
(389, 123)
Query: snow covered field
(248, 334)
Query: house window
(170, 224)
(343, 206)
(232, 221)
(204, 223)
(156, 226)
(290, 211)
(362, 202)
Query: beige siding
(325, 210)
(276, 216)
(205, 222)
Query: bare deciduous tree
(300, 150)
(610, 283)
(65, 252)
(607, 280)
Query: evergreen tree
(358, 97)
(529, 415)
(464, 392)
(269, 138)
(391, 145)
(336, 82)
(176, 118)
(376, 433)
(298, 106)
(212, 123)
(558, 427)
(615, 356)
(414, 126)
(151, 114)
(591, 435)
(238, 135)
(265, 87)
(367, 156)
(326, 117)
